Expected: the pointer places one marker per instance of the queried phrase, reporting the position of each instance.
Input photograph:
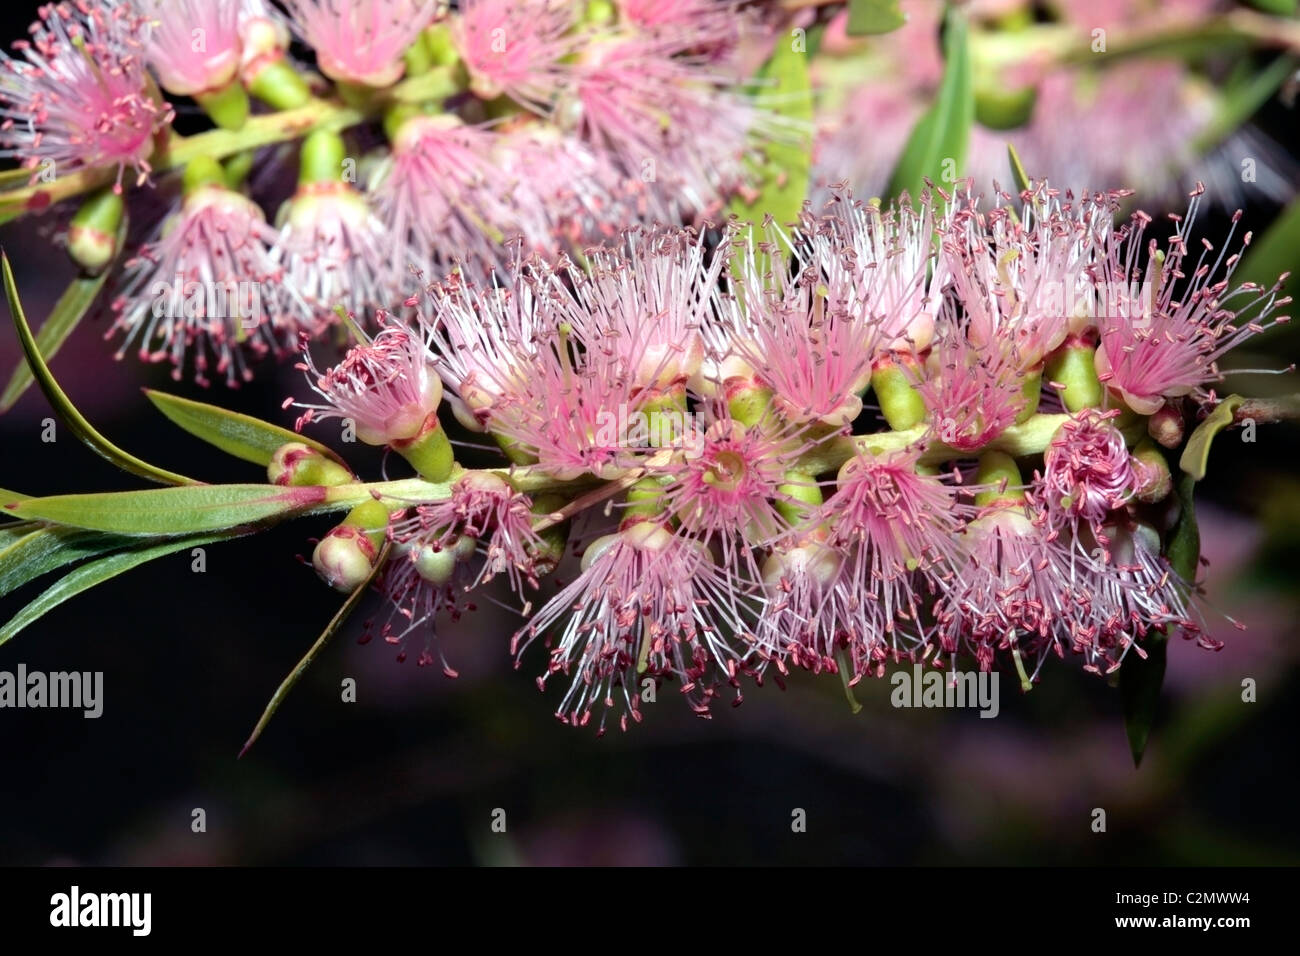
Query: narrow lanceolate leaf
(1017, 169)
(936, 149)
(300, 668)
(874, 16)
(1239, 103)
(71, 308)
(240, 435)
(1140, 679)
(1197, 453)
(170, 511)
(783, 88)
(7, 496)
(61, 404)
(96, 572)
(46, 549)
(12, 532)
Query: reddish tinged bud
(297, 464)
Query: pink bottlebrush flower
(814, 355)
(523, 364)
(640, 309)
(973, 393)
(898, 532)
(194, 45)
(808, 610)
(1162, 337)
(388, 387)
(206, 283)
(79, 96)
(878, 265)
(697, 24)
(1025, 284)
(335, 254)
(439, 197)
(648, 604)
(361, 41)
(1009, 591)
(516, 48)
(727, 486)
(482, 508)
(1087, 470)
(490, 339)
(673, 124)
(423, 580)
(561, 190)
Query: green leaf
(1283, 8)
(1240, 103)
(71, 308)
(168, 511)
(1140, 679)
(943, 131)
(14, 531)
(7, 496)
(784, 89)
(1196, 454)
(61, 404)
(1017, 169)
(1268, 256)
(874, 16)
(331, 629)
(45, 549)
(236, 434)
(96, 572)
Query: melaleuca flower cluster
(929, 432)
(550, 122)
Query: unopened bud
(345, 557)
(1167, 426)
(92, 235)
(547, 555)
(297, 464)
(1152, 480)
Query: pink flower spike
(79, 96)
(361, 41)
(388, 387)
(206, 283)
(194, 45)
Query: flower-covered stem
(289, 124)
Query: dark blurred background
(412, 772)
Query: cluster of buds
(703, 412)
(551, 122)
